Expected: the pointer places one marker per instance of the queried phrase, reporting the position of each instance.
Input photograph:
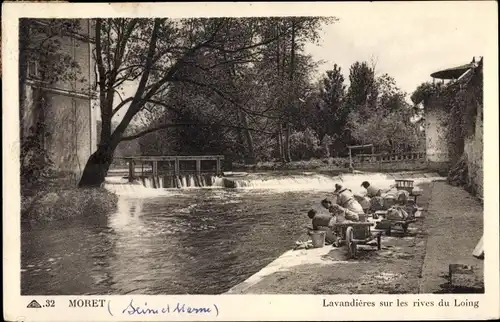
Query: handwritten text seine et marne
(179, 308)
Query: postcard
(250, 161)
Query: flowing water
(179, 241)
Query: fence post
(176, 167)
(350, 159)
(155, 168)
(198, 166)
(131, 170)
(218, 166)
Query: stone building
(444, 150)
(66, 107)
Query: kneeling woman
(345, 199)
(323, 222)
(339, 213)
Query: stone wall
(436, 144)
(69, 130)
(473, 149)
(69, 113)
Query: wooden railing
(169, 164)
(388, 157)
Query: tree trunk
(239, 138)
(97, 166)
(249, 139)
(23, 70)
(288, 157)
(279, 138)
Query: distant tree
(332, 108)
(156, 54)
(252, 97)
(362, 93)
(389, 124)
(326, 142)
(304, 144)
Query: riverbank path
(416, 263)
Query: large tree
(156, 54)
(249, 94)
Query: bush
(53, 204)
(35, 161)
(304, 145)
(325, 146)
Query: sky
(407, 40)
(408, 45)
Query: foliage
(304, 144)
(326, 142)
(391, 132)
(381, 115)
(157, 54)
(42, 41)
(460, 100)
(424, 92)
(239, 86)
(65, 202)
(333, 112)
(363, 89)
(41, 46)
(244, 103)
(35, 161)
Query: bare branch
(135, 106)
(173, 69)
(167, 106)
(122, 103)
(172, 125)
(232, 51)
(223, 95)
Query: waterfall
(139, 188)
(191, 181)
(281, 182)
(318, 182)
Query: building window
(33, 71)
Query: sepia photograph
(215, 147)
(339, 153)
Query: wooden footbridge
(171, 169)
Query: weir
(174, 171)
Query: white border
(239, 307)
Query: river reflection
(195, 242)
(192, 241)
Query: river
(178, 241)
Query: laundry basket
(405, 185)
(318, 238)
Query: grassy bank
(60, 200)
(330, 164)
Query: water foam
(272, 183)
(122, 187)
(320, 182)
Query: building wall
(436, 145)
(473, 149)
(69, 109)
